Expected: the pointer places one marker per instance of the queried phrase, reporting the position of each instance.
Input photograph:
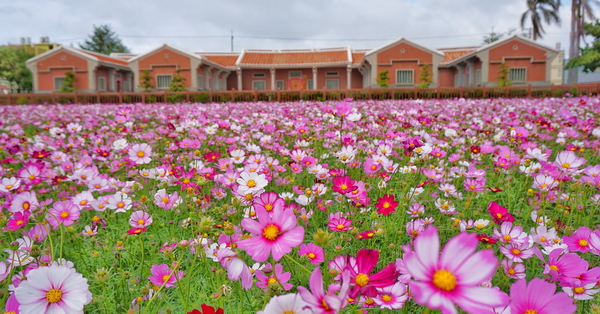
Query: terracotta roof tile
(223, 60)
(357, 57)
(297, 57)
(104, 57)
(453, 54)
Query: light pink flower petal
(427, 246)
(480, 299)
(457, 250)
(256, 247)
(253, 226)
(476, 269)
(416, 269)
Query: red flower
(386, 204)
(136, 230)
(499, 213)
(495, 190)
(484, 238)
(207, 310)
(41, 154)
(366, 283)
(475, 149)
(212, 156)
(366, 234)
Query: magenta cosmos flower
(140, 219)
(539, 297)
(455, 276)
(63, 213)
(53, 289)
(162, 275)
(276, 234)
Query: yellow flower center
(20, 222)
(516, 251)
(583, 242)
(579, 290)
(268, 207)
(120, 204)
(553, 267)
(141, 222)
(54, 295)
(141, 154)
(26, 205)
(311, 255)
(511, 271)
(506, 237)
(272, 280)
(386, 205)
(343, 187)
(251, 183)
(543, 239)
(165, 200)
(386, 298)
(566, 165)
(83, 202)
(340, 226)
(166, 277)
(64, 214)
(271, 232)
(531, 312)
(8, 187)
(444, 280)
(362, 280)
(186, 181)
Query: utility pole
(232, 40)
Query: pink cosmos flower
(582, 293)
(538, 297)
(24, 201)
(568, 161)
(579, 241)
(63, 213)
(9, 184)
(140, 219)
(513, 270)
(164, 200)
(360, 270)
(339, 223)
(53, 289)
(328, 303)
(287, 303)
(18, 220)
(313, 252)
(276, 277)
(455, 276)
(499, 213)
(269, 201)
(140, 153)
(274, 234)
(544, 182)
(236, 267)
(344, 184)
(517, 252)
(391, 297)
(163, 275)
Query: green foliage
(383, 79)
(22, 100)
(425, 76)
(590, 55)
(177, 82)
(492, 37)
(503, 79)
(104, 40)
(68, 85)
(13, 69)
(539, 11)
(146, 81)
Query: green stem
(62, 236)
(426, 310)
(142, 251)
(296, 262)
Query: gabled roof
(180, 51)
(89, 55)
(451, 54)
(401, 40)
(358, 56)
(495, 44)
(295, 58)
(122, 55)
(226, 59)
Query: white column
(314, 78)
(216, 74)
(349, 77)
(273, 79)
(239, 79)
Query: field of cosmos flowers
(478, 206)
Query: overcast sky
(202, 25)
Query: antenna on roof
(232, 40)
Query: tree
(503, 79)
(104, 40)
(13, 69)
(581, 11)
(177, 82)
(68, 85)
(425, 76)
(492, 37)
(383, 79)
(146, 81)
(589, 58)
(539, 11)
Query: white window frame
(336, 82)
(199, 82)
(332, 73)
(255, 82)
(310, 84)
(295, 74)
(259, 75)
(101, 83)
(411, 76)
(517, 75)
(159, 79)
(58, 82)
(279, 84)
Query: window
(404, 77)
(332, 73)
(280, 85)
(259, 85)
(258, 75)
(294, 74)
(126, 85)
(163, 80)
(310, 84)
(200, 86)
(517, 74)
(332, 84)
(478, 77)
(102, 84)
(58, 83)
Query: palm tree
(539, 11)
(581, 12)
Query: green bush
(22, 100)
